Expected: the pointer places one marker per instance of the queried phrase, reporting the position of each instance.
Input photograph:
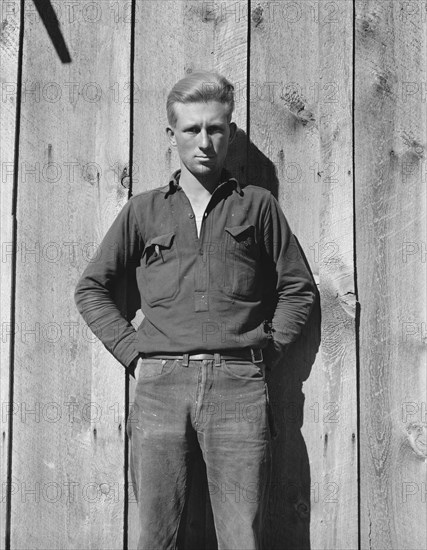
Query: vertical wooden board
(337, 278)
(200, 35)
(390, 169)
(284, 91)
(284, 157)
(9, 44)
(230, 51)
(156, 69)
(68, 453)
(294, 46)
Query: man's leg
(162, 445)
(234, 434)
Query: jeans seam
(199, 379)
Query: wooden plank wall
(331, 107)
(390, 170)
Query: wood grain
(284, 151)
(390, 152)
(337, 278)
(300, 120)
(9, 45)
(68, 441)
(70, 394)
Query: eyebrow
(189, 125)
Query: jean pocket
(155, 368)
(244, 370)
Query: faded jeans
(224, 411)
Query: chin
(205, 170)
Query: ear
(233, 130)
(171, 136)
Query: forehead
(201, 113)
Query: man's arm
(295, 287)
(120, 250)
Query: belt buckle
(256, 355)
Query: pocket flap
(240, 231)
(165, 241)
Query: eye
(192, 130)
(216, 130)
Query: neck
(198, 187)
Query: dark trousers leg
(162, 447)
(234, 434)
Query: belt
(249, 354)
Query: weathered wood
(191, 35)
(338, 505)
(68, 440)
(69, 393)
(390, 208)
(9, 45)
(284, 150)
(292, 120)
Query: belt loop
(217, 359)
(256, 355)
(185, 360)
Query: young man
(223, 289)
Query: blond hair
(197, 87)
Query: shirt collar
(226, 180)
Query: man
(223, 289)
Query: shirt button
(191, 216)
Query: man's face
(201, 136)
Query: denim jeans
(222, 410)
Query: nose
(204, 139)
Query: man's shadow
(287, 523)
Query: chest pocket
(242, 256)
(158, 274)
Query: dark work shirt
(208, 293)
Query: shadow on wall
(287, 523)
(251, 167)
(53, 28)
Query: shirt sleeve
(94, 294)
(295, 289)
